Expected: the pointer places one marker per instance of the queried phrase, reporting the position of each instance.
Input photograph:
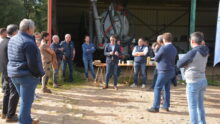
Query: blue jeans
(142, 67)
(154, 79)
(163, 81)
(70, 65)
(111, 68)
(195, 98)
(26, 89)
(88, 66)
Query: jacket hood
(203, 50)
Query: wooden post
(49, 20)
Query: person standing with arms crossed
(88, 50)
(195, 62)
(140, 54)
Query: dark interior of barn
(148, 18)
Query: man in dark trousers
(112, 52)
(11, 97)
(165, 57)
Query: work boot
(46, 90)
(12, 119)
(153, 110)
(105, 87)
(3, 116)
(36, 121)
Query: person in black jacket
(11, 97)
(112, 52)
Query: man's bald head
(68, 38)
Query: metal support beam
(49, 20)
(97, 21)
(192, 16)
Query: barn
(147, 18)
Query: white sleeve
(134, 51)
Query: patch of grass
(78, 79)
(213, 83)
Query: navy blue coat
(112, 58)
(24, 57)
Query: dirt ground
(89, 104)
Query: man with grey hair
(195, 62)
(11, 97)
(3, 34)
(68, 56)
(155, 48)
(59, 55)
(25, 68)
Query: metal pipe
(192, 16)
(97, 21)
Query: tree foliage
(13, 11)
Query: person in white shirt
(140, 54)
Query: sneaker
(153, 110)
(12, 119)
(46, 90)
(35, 121)
(55, 85)
(143, 86)
(133, 85)
(115, 87)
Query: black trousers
(10, 98)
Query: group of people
(194, 63)
(26, 60)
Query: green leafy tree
(13, 11)
(38, 12)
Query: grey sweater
(194, 63)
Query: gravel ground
(90, 104)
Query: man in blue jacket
(140, 55)
(165, 57)
(112, 52)
(195, 62)
(25, 68)
(88, 50)
(59, 54)
(68, 56)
